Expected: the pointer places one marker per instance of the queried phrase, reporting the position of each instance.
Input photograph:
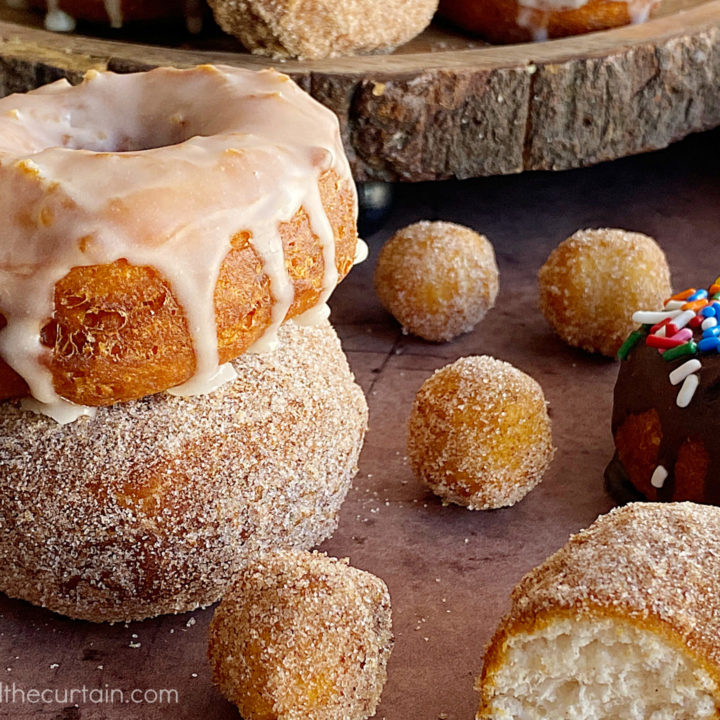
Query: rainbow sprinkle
(671, 331)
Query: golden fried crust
(479, 433)
(118, 333)
(653, 565)
(592, 282)
(637, 441)
(496, 20)
(300, 635)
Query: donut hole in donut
(120, 136)
(132, 117)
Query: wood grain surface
(449, 570)
(447, 105)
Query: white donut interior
(597, 669)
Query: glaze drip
(127, 167)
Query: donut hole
(127, 113)
(151, 133)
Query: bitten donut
(322, 28)
(592, 282)
(515, 21)
(622, 622)
(302, 635)
(438, 279)
(665, 406)
(479, 433)
(156, 225)
(153, 506)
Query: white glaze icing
(526, 19)
(57, 20)
(113, 8)
(639, 11)
(361, 252)
(314, 316)
(61, 412)
(135, 167)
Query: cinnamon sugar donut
(322, 28)
(622, 622)
(514, 21)
(146, 242)
(152, 506)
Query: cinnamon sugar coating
(302, 636)
(152, 506)
(479, 433)
(593, 282)
(322, 28)
(652, 565)
(438, 279)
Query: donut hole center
(135, 135)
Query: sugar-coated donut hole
(479, 433)
(438, 279)
(301, 635)
(592, 283)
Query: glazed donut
(511, 21)
(62, 14)
(179, 237)
(322, 28)
(152, 506)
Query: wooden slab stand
(487, 110)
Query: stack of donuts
(173, 397)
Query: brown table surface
(449, 570)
